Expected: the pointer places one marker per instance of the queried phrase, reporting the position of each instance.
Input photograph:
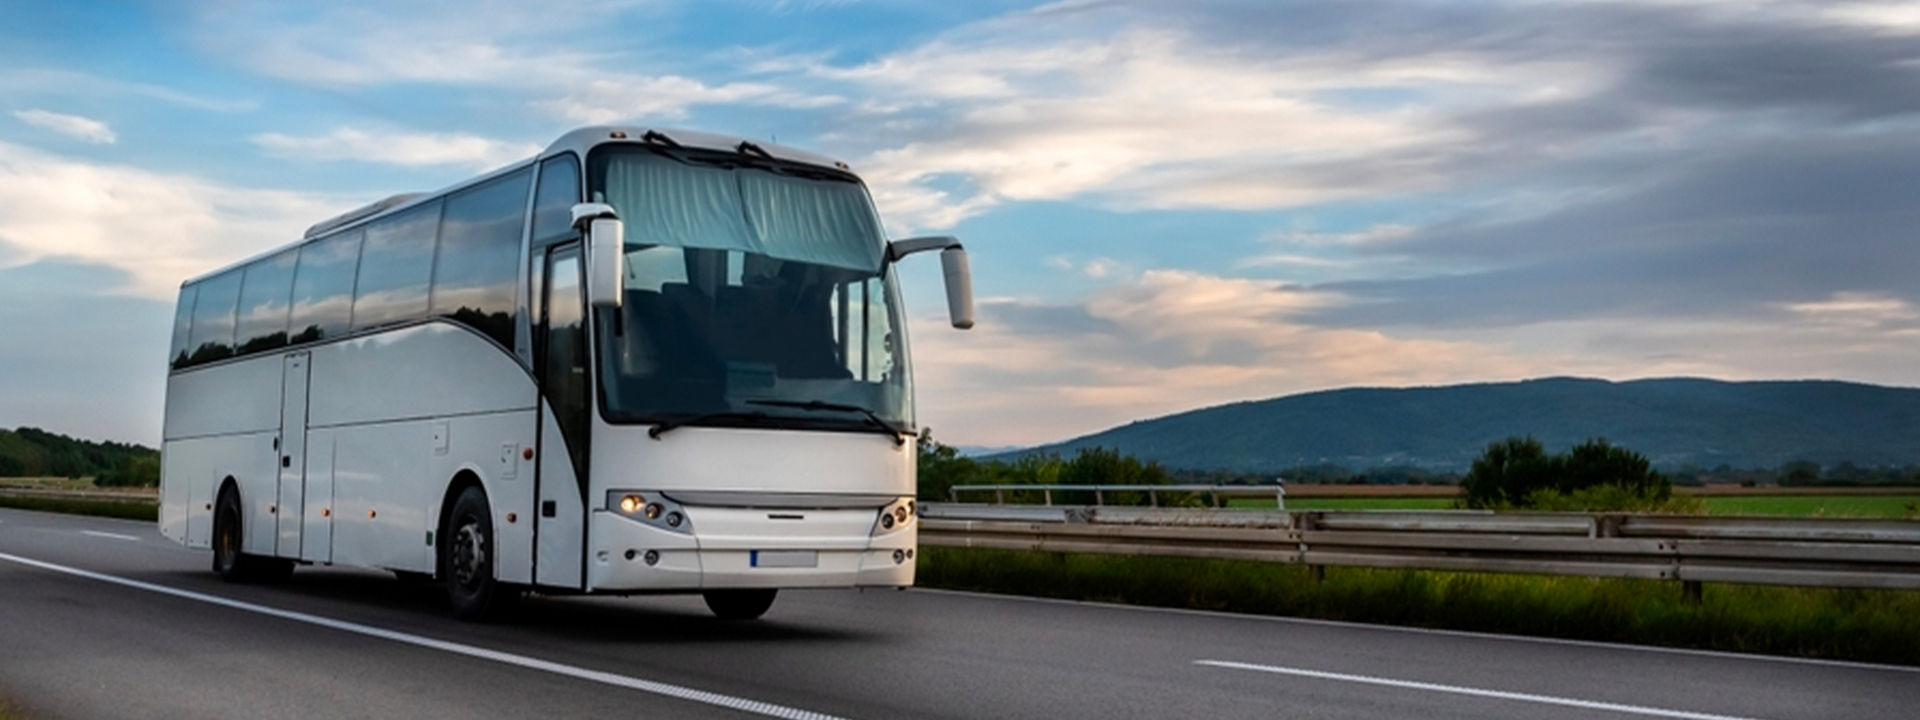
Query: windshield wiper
(898, 432)
(667, 426)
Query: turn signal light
(630, 504)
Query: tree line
(32, 452)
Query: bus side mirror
(953, 263)
(606, 242)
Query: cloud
(68, 83)
(157, 228)
(73, 126)
(547, 54)
(1168, 340)
(398, 148)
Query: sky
(1168, 205)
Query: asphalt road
(104, 619)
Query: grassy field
(1856, 506)
(1869, 625)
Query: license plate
(784, 558)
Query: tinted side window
(182, 319)
(263, 303)
(212, 332)
(478, 264)
(323, 287)
(553, 205)
(396, 264)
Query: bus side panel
(221, 421)
(380, 486)
(174, 482)
(490, 447)
(201, 464)
(316, 524)
(563, 532)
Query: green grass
(1351, 503)
(1864, 506)
(128, 509)
(1857, 506)
(1868, 625)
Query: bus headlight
(896, 516)
(650, 508)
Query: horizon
(1168, 208)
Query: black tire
(739, 604)
(229, 562)
(466, 560)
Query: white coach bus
(642, 362)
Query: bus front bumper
(750, 548)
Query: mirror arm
(902, 248)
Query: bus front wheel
(739, 604)
(467, 554)
(229, 562)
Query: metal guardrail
(1690, 549)
(1277, 492)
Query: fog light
(630, 554)
(653, 510)
(886, 521)
(900, 514)
(909, 553)
(652, 558)
(899, 556)
(674, 519)
(911, 509)
(629, 504)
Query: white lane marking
(116, 536)
(632, 683)
(1854, 664)
(1476, 692)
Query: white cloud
(1153, 117)
(1168, 341)
(398, 148)
(73, 126)
(159, 228)
(68, 83)
(542, 52)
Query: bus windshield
(754, 296)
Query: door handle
(286, 461)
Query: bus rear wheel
(739, 604)
(467, 555)
(229, 562)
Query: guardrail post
(1153, 499)
(1099, 498)
(1047, 497)
(1690, 591)
(999, 497)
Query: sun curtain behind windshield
(745, 285)
(667, 202)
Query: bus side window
(264, 295)
(477, 265)
(212, 335)
(554, 199)
(182, 320)
(396, 265)
(323, 287)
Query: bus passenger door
(293, 453)
(561, 353)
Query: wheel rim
(469, 553)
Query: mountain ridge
(1673, 421)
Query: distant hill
(1673, 422)
(32, 452)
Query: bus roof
(577, 141)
